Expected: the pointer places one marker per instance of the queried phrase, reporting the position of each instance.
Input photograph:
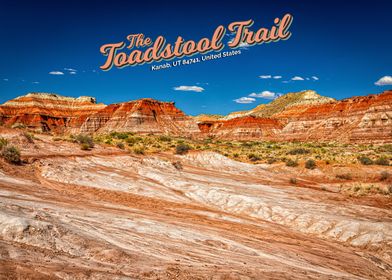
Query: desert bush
(345, 176)
(310, 164)
(29, 137)
(119, 135)
(11, 154)
(120, 145)
(298, 151)
(384, 175)
(86, 142)
(253, 157)
(177, 165)
(164, 138)
(139, 151)
(293, 181)
(291, 163)
(3, 142)
(182, 149)
(365, 160)
(382, 161)
(272, 160)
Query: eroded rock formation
(299, 116)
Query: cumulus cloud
(56, 73)
(244, 100)
(277, 77)
(189, 88)
(297, 78)
(384, 81)
(315, 78)
(72, 73)
(70, 69)
(242, 45)
(265, 77)
(264, 94)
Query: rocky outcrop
(242, 128)
(48, 112)
(55, 113)
(307, 116)
(356, 119)
(142, 116)
(303, 116)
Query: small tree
(11, 154)
(310, 164)
(291, 163)
(182, 149)
(86, 142)
(365, 160)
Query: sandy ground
(107, 214)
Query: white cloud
(277, 77)
(242, 45)
(297, 78)
(265, 77)
(70, 69)
(244, 100)
(264, 94)
(384, 81)
(35, 82)
(315, 78)
(5, 80)
(56, 73)
(72, 73)
(189, 88)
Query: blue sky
(345, 44)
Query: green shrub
(253, 157)
(119, 135)
(291, 163)
(310, 164)
(3, 142)
(164, 138)
(271, 160)
(11, 154)
(139, 151)
(382, 161)
(299, 151)
(120, 145)
(182, 149)
(85, 140)
(365, 160)
(293, 181)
